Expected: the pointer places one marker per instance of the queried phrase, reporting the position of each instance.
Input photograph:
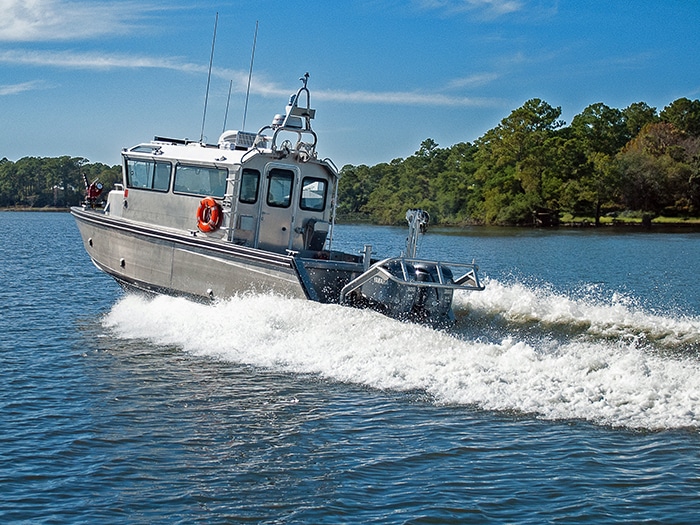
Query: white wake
(598, 367)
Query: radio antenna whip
(228, 101)
(211, 60)
(250, 75)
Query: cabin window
(161, 176)
(313, 194)
(250, 180)
(148, 174)
(200, 180)
(279, 192)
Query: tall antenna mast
(211, 60)
(228, 101)
(250, 75)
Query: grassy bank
(628, 220)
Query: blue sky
(88, 78)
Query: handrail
(293, 114)
(330, 163)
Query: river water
(567, 392)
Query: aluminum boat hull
(161, 261)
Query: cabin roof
(182, 150)
(221, 155)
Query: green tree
(659, 171)
(64, 181)
(565, 166)
(29, 181)
(601, 131)
(51, 181)
(8, 187)
(638, 115)
(455, 189)
(684, 114)
(385, 203)
(354, 188)
(512, 159)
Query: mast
(228, 101)
(250, 75)
(211, 60)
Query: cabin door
(278, 208)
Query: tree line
(530, 169)
(37, 182)
(534, 169)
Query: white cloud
(103, 61)
(92, 60)
(477, 80)
(259, 86)
(405, 98)
(45, 20)
(490, 8)
(14, 89)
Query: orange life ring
(209, 215)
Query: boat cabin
(265, 190)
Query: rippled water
(567, 392)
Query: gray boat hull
(161, 261)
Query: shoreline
(657, 224)
(42, 209)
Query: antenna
(211, 60)
(250, 75)
(228, 101)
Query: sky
(87, 78)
